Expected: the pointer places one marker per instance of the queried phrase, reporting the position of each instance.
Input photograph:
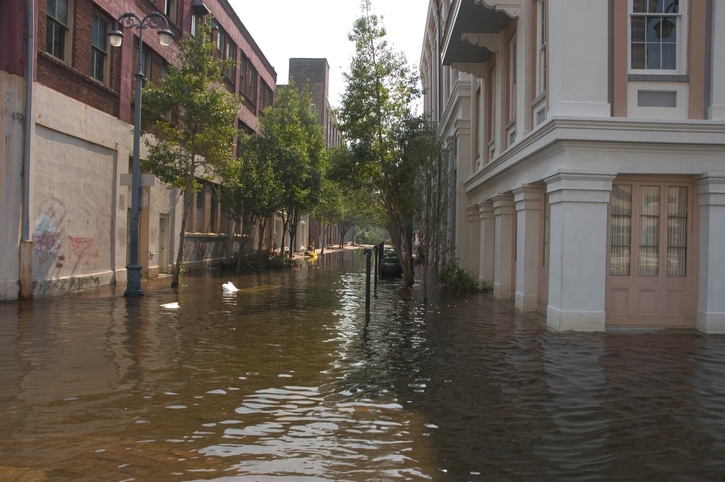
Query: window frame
(681, 42)
(170, 10)
(66, 47)
(541, 46)
(248, 81)
(105, 53)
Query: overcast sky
(285, 29)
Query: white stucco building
(587, 140)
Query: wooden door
(651, 254)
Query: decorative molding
(509, 7)
(477, 70)
(490, 41)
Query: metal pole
(367, 280)
(26, 243)
(377, 264)
(157, 21)
(133, 269)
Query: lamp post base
(133, 282)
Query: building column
(578, 250)
(488, 243)
(711, 286)
(528, 220)
(206, 209)
(578, 76)
(503, 211)
(474, 233)
(717, 82)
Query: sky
(285, 29)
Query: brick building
(66, 132)
(315, 74)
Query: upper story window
(266, 96)
(656, 35)
(99, 48)
(248, 81)
(145, 60)
(170, 10)
(541, 38)
(195, 23)
(226, 50)
(57, 28)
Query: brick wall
(71, 77)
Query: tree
(197, 139)
(292, 141)
(252, 194)
(430, 189)
(373, 117)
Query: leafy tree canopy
(191, 116)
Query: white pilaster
(528, 215)
(474, 232)
(578, 247)
(711, 287)
(578, 36)
(503, 210)
(488, 242)
(717, 109)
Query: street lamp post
(157, 21)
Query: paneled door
(651, 254)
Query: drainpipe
(26, 243)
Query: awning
(472, 30)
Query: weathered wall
(11, 185)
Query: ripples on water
(289, 379)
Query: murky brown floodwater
(286, 379)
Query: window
(266, 96)
(512, 79)
(476, 134)
(642, 225)
(490, 126)
(195, 23)
(541, 37)
(145, 56)
(99, 48)
(511, 125)
(621, 240)
(170, 10)
(220, 35)
(655, 35)
(248, 82)
(57, 24)
(226, 50)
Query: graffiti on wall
(46, 239)
(82, 248)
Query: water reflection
(289, 379)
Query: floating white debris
(229, 287)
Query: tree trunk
(322, 241)
(188, 191)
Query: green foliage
(453, 277)
(292, 143)
(264, 261)
(380, 89)
(371, 233)
(190, 116)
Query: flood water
(288, 380)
